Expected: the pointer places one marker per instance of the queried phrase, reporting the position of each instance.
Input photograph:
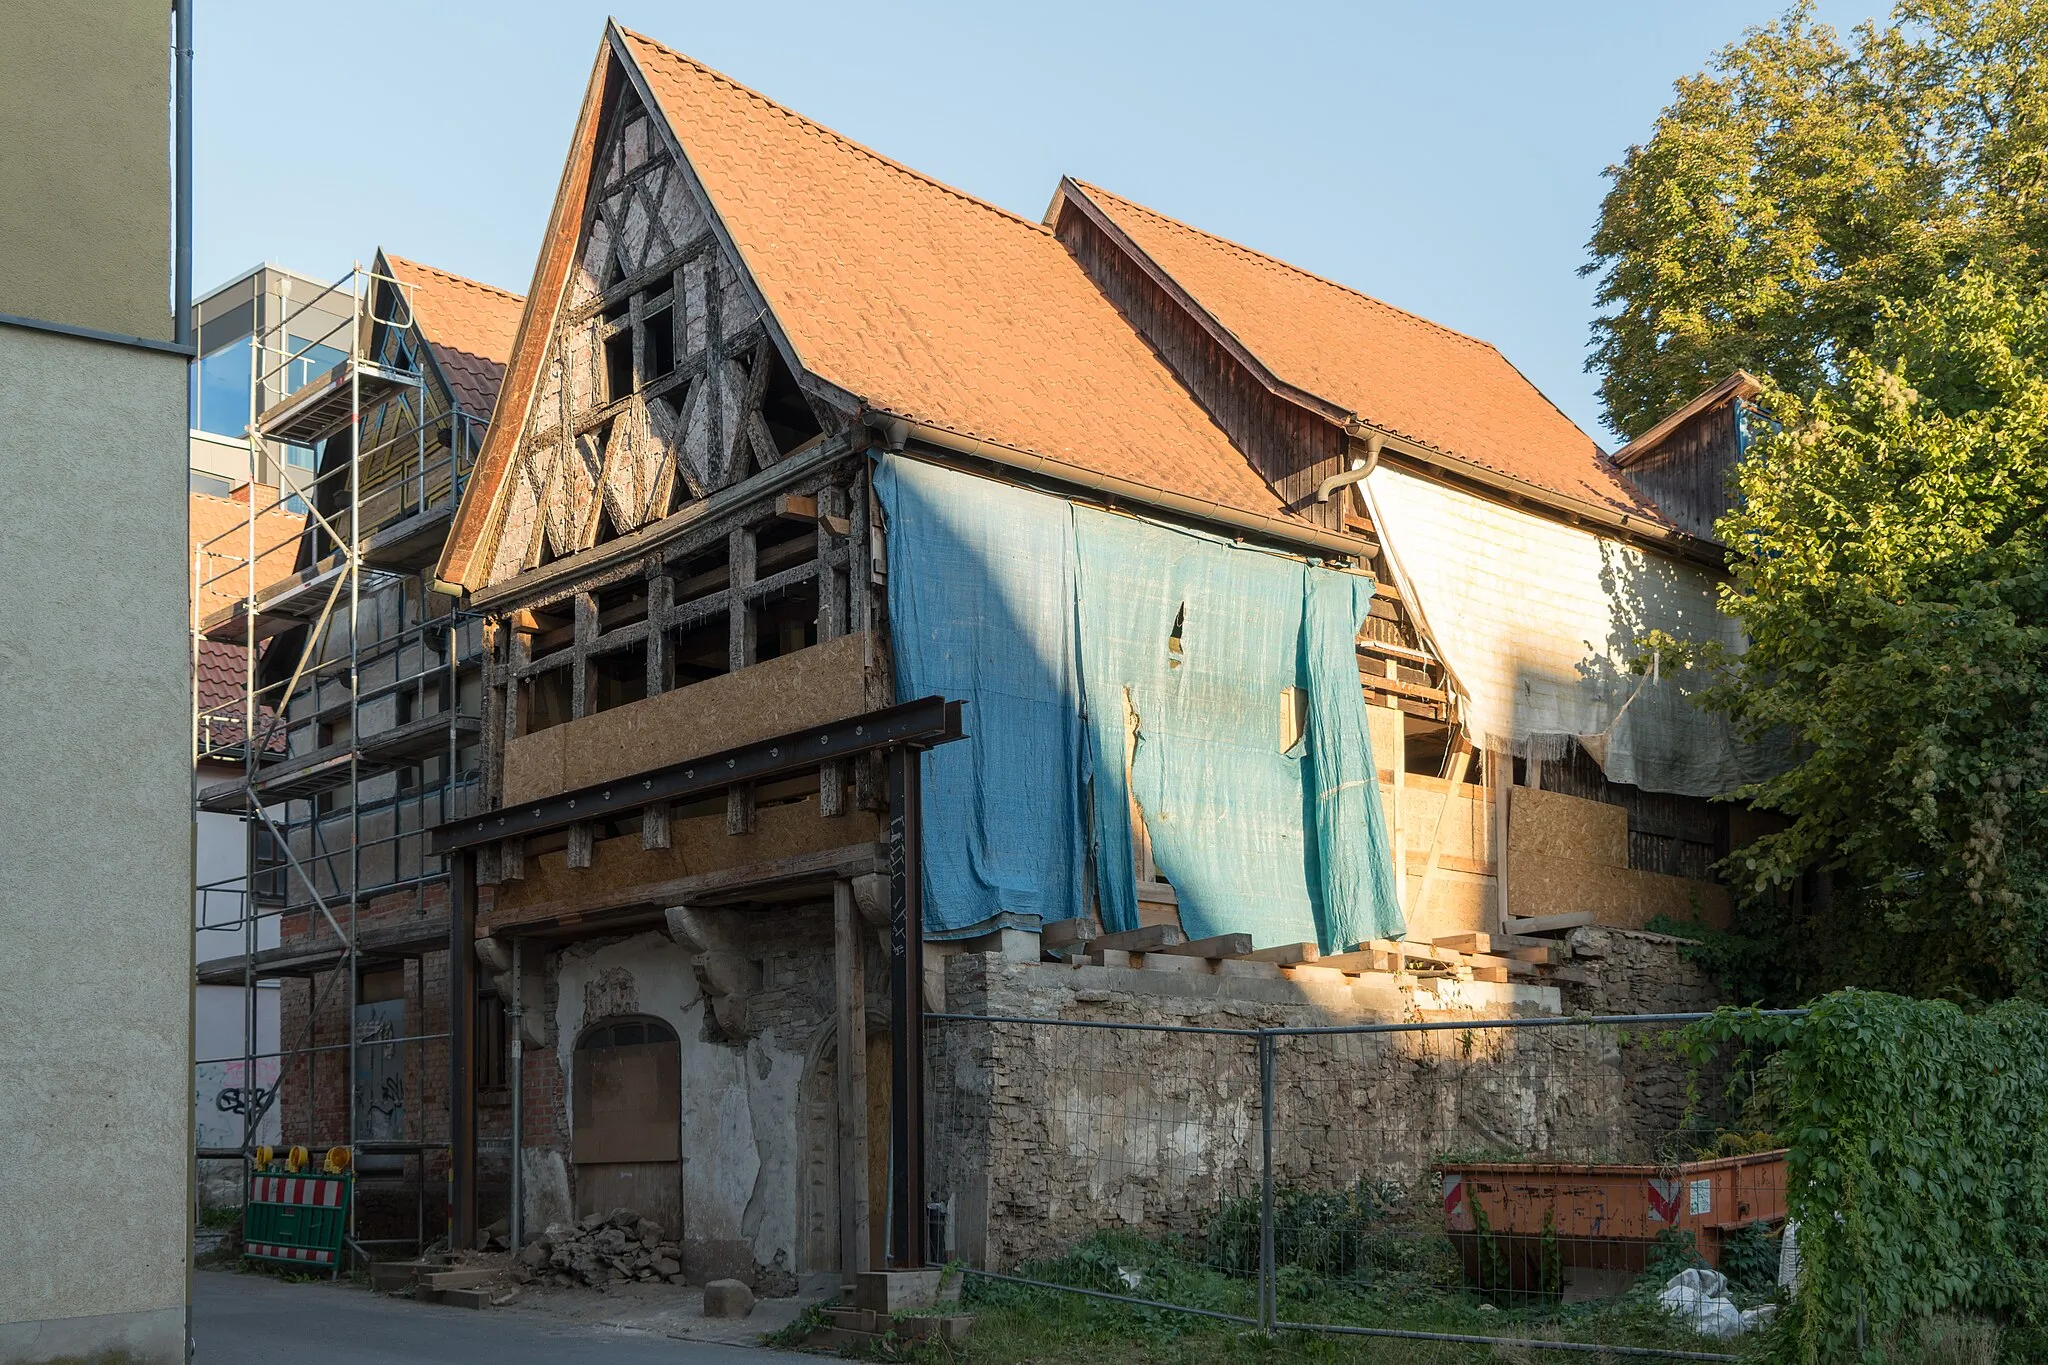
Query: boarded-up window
(625, 1101)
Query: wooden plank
(1550, 924)
(1443, 827)
(1220, 945)
(1061, 932)
(797, 507)
(1149, 939)
(1497, 975)
(1373, 682)
(1284, 954)
(1361, 960)
(1501, 945)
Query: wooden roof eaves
(1741, 384)
(815, 384)
(461, 566)
(1070, 192)
(1445, 466)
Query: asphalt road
(256, 1320)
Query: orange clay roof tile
(932, 305)
(468, 324)
(1402, 373)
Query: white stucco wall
(95, 882)
(1539, 621)
(740, 1141)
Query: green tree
(1801, 181)
(1892, 574)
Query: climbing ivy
(1918, 1166)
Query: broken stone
(534, 1255)
(727, 1299)
(622, 1218)
(523, 1274)
(590, 1222)
(610, 1242)
(666, 1267)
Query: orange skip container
(1602, 1220)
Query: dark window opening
(658, 343)
(786, 621)
(701, 651)
(618, 365)
(702, 575)
(790, 419)
(625, 1033)
(544, 700)
(618, 677)
(621, 605)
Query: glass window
(317, 359)
(222, 391)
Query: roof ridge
(835, 135)
(451, 275)
(1289, 266)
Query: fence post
(1268, 1298)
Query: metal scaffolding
(360, 697)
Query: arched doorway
(625, 1114)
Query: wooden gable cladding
(660, 376)
(1292, 448)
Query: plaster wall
(95, 887)
(86, 215)
(744, 1149)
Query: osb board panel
(826, 682)
(1620, 897)
(623, 873)
(1568, 827)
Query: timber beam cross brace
(921, 724)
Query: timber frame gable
(650, 374)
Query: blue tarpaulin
(1089, 646)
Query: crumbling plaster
(741, 1140)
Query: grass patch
(1363, 1257)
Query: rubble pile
(600, 1250)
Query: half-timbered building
(1284, 620)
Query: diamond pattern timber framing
(660, 375)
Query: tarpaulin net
(1115, 668)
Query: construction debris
(1528, 955)
(600, 1250)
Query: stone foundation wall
(1040, 1134)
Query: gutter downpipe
(1374, 444)
(181, 249)
(896, 432)
(518, 1059)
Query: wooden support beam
(849, 945)
(581, 844)
(739, 808)
(654, 825)
(1362, 960)
(580, 680)
(1219, 945)
(661, 590)
(832, 789)
(1285, 954)
(512, 859)
(1151, 938)
(1459, 765)
(1550, 924)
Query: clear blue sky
(1445, 158)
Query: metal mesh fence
(1534, 1184)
